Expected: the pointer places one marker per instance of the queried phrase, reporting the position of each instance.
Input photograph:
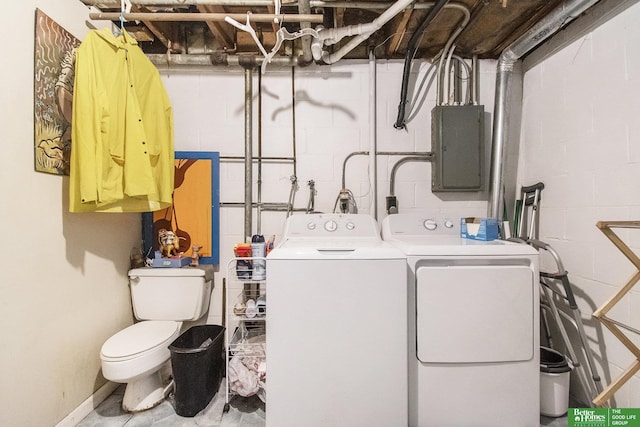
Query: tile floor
(243, 412)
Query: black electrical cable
(408, 57)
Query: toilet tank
(180, 294)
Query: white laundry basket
(555, 375)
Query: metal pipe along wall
(248, 152)
(544, 29)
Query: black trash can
(197, 360)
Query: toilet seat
(139, 338)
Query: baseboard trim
(88, 405)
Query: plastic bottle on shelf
(259, 249)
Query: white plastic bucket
(555, 376)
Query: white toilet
(167, 301)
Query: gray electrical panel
(457, 143)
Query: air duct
(566, 12)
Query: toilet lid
(140, 337)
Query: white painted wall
(64, 288)
(581, 137)
(332, 120)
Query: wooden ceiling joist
(221, 31)
(399, 32)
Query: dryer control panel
(331, 226)
(420, 224)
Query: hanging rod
(206, 17)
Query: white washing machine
(473, 326)
(337, 325)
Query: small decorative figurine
(168, 243)
(195, 255)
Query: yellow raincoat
(122, 155)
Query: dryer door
(474, 313)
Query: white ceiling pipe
(331, 36)
(365, 30)
(377, 23)
(545, 28)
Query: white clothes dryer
(337, 326)
(473, 326)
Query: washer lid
(338, 248)
(139, 338)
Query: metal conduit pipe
(391, 200)
(474, 80)
(427, 157)
(445, 50)
(293, 121)
(457, 81)
(408, 58)
(248, 152)
(379, 153)
(550, 24)
(344, 164)
(457, 84)
(259, 182)
(373, 140)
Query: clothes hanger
(247, 28)
(125, 7)
(281, 35)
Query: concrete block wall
(332, 119)
(581, 137)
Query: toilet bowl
(135, 356)
(166, 301)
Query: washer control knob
(448, 223)
(331, 225)
(350, 225)
(430, 224)
(311, 225)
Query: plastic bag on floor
(248, 371)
